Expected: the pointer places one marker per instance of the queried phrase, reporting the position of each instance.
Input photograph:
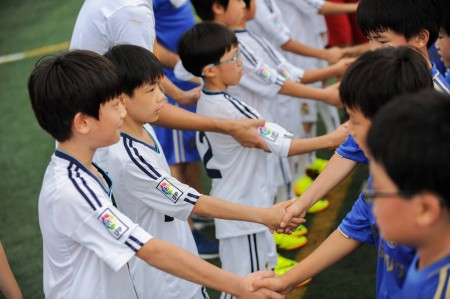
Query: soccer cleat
(288, 242)
(207, 249)
(301, 185)
(319, 206)
(284, 265)
(314, 169)
(301, 230)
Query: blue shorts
(178, 146)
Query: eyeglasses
(369, 194)
(235, 58)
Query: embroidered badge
(268, 133)
(169, 190)
(113, 224)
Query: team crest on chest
(169, 190)
(113, 224)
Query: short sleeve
(277, 138)
(132, 25)
(357, 224)
(151, 185)
(350, 150)
(269, 19)
(96, 224)
(258, 76)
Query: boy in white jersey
(210, 50)
(144, 188)
(87, 241)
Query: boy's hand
(343, 65)
(332, 96)
(246, 133)
(277, 213)
(297, 209)
(272, 283)
(333, 54)
(338, 137)
(190, 97)
(259, 292)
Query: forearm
(167, 58)
(8, 284)
(335, 172)
(172, 90)
(307, 145)
(298, 48)
(299, 90)
(311, 76)
(183, 264)
(331, 8)
(218, 208)
(332, 250)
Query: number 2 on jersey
(212, 173)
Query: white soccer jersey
(238, 174)
(268, 23)
(102, 24)
(146, 192)
(86, 240)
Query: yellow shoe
(301, 230)
(304, 283)
(316, 168)
(288, 242)
(284, 265)
(319, 206)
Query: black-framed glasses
(236, 57)
(369, 194)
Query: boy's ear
(81, 123)
(421, 39)
(209, 72)
(218, 9)
(430, 209)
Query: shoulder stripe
(138, 160)
(75, 176)
(244, 109)
(193, 195)
(189, 201)
(248, 55)
(443, 288)
(263, 43)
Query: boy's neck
(241, 26)
(435, 248)
(136, 130)
(83, 153)
(214, 86)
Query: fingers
(263, 283)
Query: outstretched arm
(331, 8)
(333, 249)
(329, 95)
(337, 169)
(332, 55)
(270, 217)
(8, 284)
(183, 264)
(244, 131)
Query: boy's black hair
(135, 66)
(445, 16)
(410, 138)
(378, 76)
(203, 44)
(63, 85)
(204, 8)
(403, 17)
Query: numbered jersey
(146, 192)
(238, 174)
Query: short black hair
(445, 16)
(135, 66)
(378, 76)
(404, 17)
(60, 86)
(204, 8)
(203, 44)
(410, 138)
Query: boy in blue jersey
(443, 41)
(410, 192)
(87, 241)
(211, 50)
(369, 83)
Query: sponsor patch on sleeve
(267, 133)
(113, 224)
(264, 72)
(169, 190)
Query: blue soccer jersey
(393, 260)
(430, 282)
(350, 150)
(439, 81)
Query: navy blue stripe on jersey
(280, 81)
(267, 48)
(252, 267)
(75, 177)
(193, 195)
(256, 253)
(138, 160)
(269, 5)
(190, 201)
(248, 55)
(136, 240)
(244, 109)
(132, 247)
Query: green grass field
(25, 151)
